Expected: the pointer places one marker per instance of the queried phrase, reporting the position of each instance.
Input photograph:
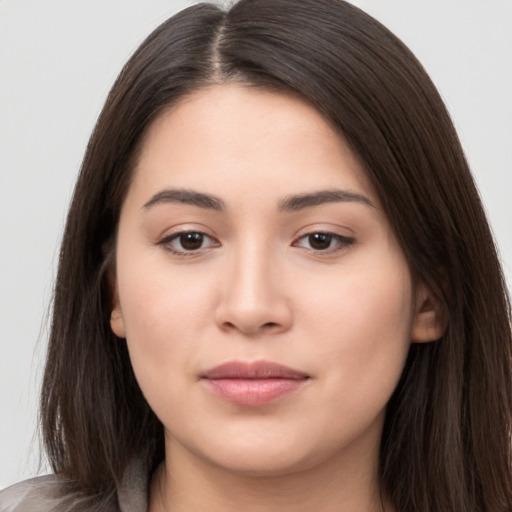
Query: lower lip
(253, 392)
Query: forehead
(236, 137)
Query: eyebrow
(288, 204)
(301, 201)
(186, 197)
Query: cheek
(361, 324)
(164, 313)
(157, 296)
(362, 298)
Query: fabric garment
(42, 494)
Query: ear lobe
(116, 315)
(117, 322)
(430, 319)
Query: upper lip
(252, 370)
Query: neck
(190, 484)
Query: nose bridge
(251, 281)
(253, 298)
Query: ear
(430, 319)
(116, 316)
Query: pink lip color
(252, 384)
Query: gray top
(41, 494)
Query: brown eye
(324, 242)
(188, 242)
(191, 241)
(320, 241)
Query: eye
(324, 242)
(186, 242)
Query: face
(267, 306)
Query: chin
(263, 457)
(263, 465)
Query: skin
(258, 288)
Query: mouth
(253, 384)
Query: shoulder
(50, 493)
(40, 494)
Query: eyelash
(168, 240)
(341, 242)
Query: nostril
(268, 326)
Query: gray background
(58, 59)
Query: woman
(277, 287)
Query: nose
(253, 300)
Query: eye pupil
(191, 241)
(320, 240)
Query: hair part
(446, 439)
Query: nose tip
(252, 305)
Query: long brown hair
(446, 444)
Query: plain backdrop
(58, 59)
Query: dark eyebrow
(186, 197)
(300, 201)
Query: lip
(254, 383)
